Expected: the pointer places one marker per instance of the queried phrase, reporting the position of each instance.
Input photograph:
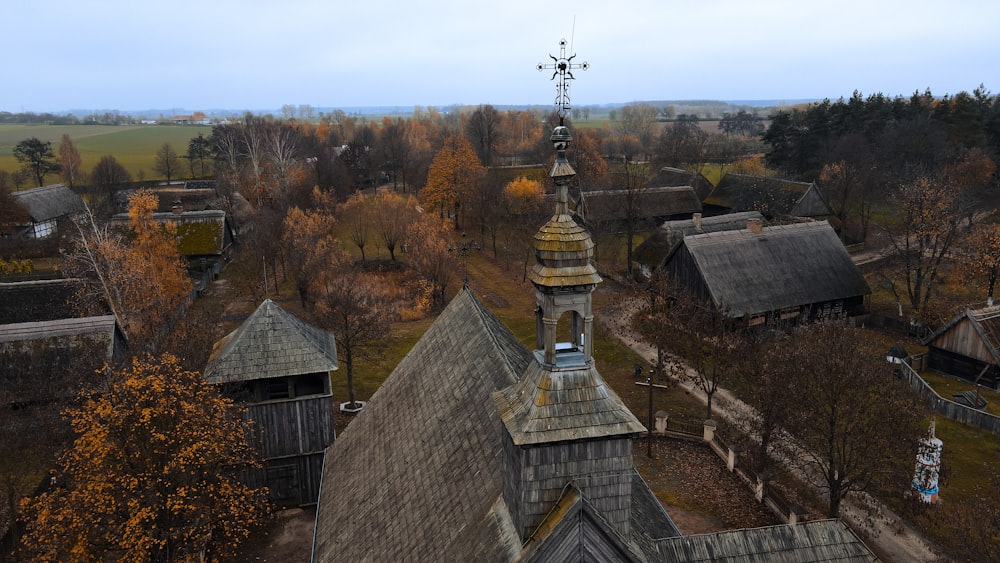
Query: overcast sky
(259, 55)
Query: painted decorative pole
(925, 477)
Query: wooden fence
(705, 433)
(946, 407)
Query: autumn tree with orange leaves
(150, 476)
(307, 240)
(138, 272)
(431, 255)
(982, 256)
(452, 179)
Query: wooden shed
(966, 346)
(279, 367)
(770, 274)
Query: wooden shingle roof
(271, 343)
(418, 474)
(819, 541)
(783, 266)
(771, 196)
(549, 406)
(422, 466)
(49, 202)
(670, 235)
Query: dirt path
(892, 538)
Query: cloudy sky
(260, 55)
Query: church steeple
(563, 275)
(564, 424)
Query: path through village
(890, 536)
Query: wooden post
(649, 425)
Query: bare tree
(355, 308)
(856, 426)
(166, 162)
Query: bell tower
(564, 424)
(563, 275)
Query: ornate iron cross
(563, 67)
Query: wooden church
(478, 449)
(278, 367)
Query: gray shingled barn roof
(783, 266)
(670, 235)
(271, 343)
(49, 202)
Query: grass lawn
(134, 146)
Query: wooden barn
(774, 197)
(966, 347)
(771, 274)
(662, 242)
(279, 368)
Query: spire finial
(563, 68)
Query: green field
(133, 145)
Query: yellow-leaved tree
(453, 177)
(140, 273)
(151, 475)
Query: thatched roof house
(774, 197)
(201, 235)
(967, 346)
(42, 313)
(664, 240)
(655, 205)
(46, 206)
(772, 273)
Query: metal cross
(563, 67)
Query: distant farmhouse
(279, 368)
(47, 208)
(773, 197)
(770, 274)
